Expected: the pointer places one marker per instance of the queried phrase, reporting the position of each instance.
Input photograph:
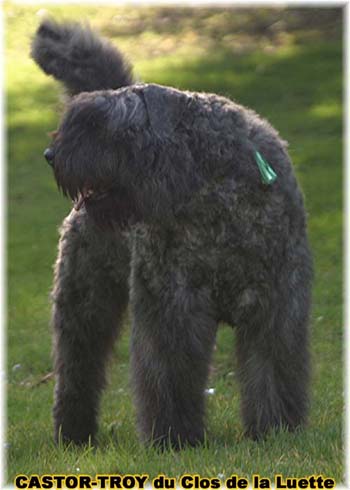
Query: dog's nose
(49, 155)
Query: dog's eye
(53, 134)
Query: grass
(287, 65)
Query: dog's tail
(78, 57)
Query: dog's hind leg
(172, 340)
(273, 356)
(90, 295)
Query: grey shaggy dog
(171, 214)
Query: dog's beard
(113, 209)
(109, 206)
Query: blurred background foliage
(286, 63)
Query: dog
(187, 208)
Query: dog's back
(79, 58)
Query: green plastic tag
(268, 175)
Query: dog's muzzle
(49, 156)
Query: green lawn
(288, 67)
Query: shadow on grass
(217, 23)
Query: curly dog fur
(171, 215)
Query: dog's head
(118, 152)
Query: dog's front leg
(89, 298)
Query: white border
(3, 292)
(346, 188)
(346, 241)
(189, 3)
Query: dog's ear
(165, 108)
